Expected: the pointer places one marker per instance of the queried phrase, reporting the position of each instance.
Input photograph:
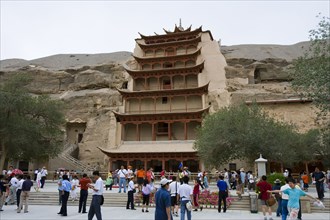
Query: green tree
(311, 77)
(30, 126)
(311, 74)
(242, 132)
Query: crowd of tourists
(177, 194)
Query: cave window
(257, 78)
(164, 100)
(124, 85)
(80, 137)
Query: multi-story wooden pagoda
(165, 100)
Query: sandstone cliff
(87, 84)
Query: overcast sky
(34, 29)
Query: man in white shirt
(122, 178)
(12, 193)
(19, 189)
(174, 189)
(97, 197)
(200, 179)
(43, 173)
(285, 199)
(186, 195)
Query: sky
(34, 29)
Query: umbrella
(17, 171)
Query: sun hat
(164, 181)
(277, 181)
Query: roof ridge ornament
(180, 25)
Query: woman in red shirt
(264, 186)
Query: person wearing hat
(163, 201)
(130, 194)
(277, 186)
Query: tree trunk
(3, 155)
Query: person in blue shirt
(163, 201)
(66, 187)
(223, 193)
(294, 197)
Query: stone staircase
(75, 163)
(120, 199)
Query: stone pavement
(37, 212)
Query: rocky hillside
(87, 84)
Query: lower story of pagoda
(158, 155)
(157, 161)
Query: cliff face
(87, 84)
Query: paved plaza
(37, 212)
(49, 212)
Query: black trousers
(320, 189)
(65, 198)
(130, 199)
(83, 200)
(18, 196)
(42, 181)
(222, 197)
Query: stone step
(120, 199)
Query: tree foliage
(30, 126)
(311, 74)
(242, 132)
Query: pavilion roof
(169, 44)
(176, 34)
(165, 92)
(167, 58)
(175, 116)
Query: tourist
(251, 182)
(200, 179)
(150, 175)
(44, 174)
(36, 171)
(60, 189)
(146, 191)
(186, 195)
(129, 173)
(12, 190)
(305, 179)
(25, 193)
(294, 197)
(140, 178)
(122, 178)
(264, 186)
(205, 180)
(74, 189)
(196, 192)
(223, 193)
(10, 171)
(130, 193)
(243, 179)
(19, 188)
(95, 207)
(84, 182)
(277, 186)
(66, 187)
(286, 173)
(239, 185)
(285, 199)
(226, 176)
(174, 189)
(163, 201)
(318, 179)
(3, 187)
(38, 185)
(109, 183)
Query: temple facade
(165, 99)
